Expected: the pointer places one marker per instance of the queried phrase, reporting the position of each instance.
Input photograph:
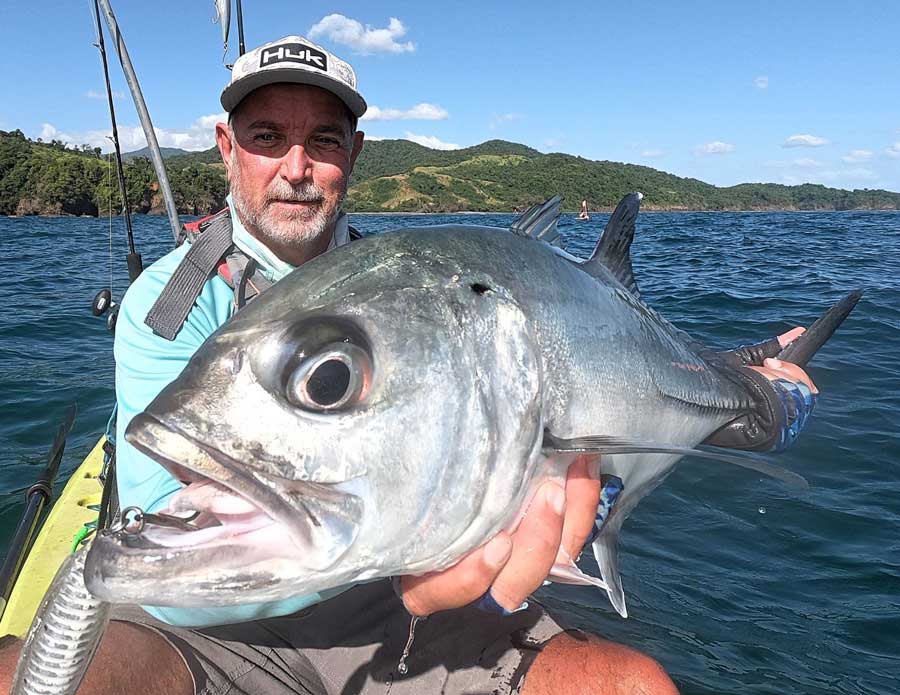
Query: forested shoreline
(56, 178)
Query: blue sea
(735, 583)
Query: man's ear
(223, 140)
(358, 138)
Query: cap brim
(236, 91)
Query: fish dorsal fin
(539, 221)
(614, 245)
(620, 445)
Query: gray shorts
(353, 643)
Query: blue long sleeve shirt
(147, 363)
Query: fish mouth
(229, 535)
(221, 500)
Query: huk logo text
(293, 53)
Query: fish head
(332, 404)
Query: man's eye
(265, 137)
(328, 143)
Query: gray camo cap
(296, 60)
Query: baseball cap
(297, 60)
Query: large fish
(392, 404)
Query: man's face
(289, 154)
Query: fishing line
(109, 208)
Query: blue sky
(725, 91)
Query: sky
(727, 92)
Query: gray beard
(304, 230)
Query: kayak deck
(67, 515)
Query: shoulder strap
(169, 312)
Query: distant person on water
(289, 147)
(584, 215)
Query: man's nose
(296, 165)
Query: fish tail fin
(801, 350)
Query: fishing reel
(102, 304)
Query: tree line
(54, 178)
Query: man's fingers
(786, 339)
(790, 371)
(535, 544)
(582, 499)
(459, 585)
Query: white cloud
(807, 163)
(374, 138)
(762, 82)
(500, 119)
(860, 174)
(200, 135)
(857, 156)
(893, 151)
(844, 178)
(715, 147)
(805, 140)
(362, 39)
(210, 121)
(419, 112)
(431, 141)
(652, 154)
(94, 94)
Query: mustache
(304, 193)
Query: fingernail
(496, 552)
(556, 497)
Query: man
(288, 148)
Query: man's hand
(513, 565)
(774, 369)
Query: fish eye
(335, 378)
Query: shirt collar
(270, 265)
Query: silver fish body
(383, 411)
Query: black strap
(240, 291)
(109, 501)
(169, 312)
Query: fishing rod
(240, 24)
(38, 496)
(135, 263)
(144, 116)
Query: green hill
(38, 178)
(166, 152)
(396, 176)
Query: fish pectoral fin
(331, 526)
(570, 573)
(602, 444)
(606, 552)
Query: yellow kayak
(67, 516)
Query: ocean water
(735, 583)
